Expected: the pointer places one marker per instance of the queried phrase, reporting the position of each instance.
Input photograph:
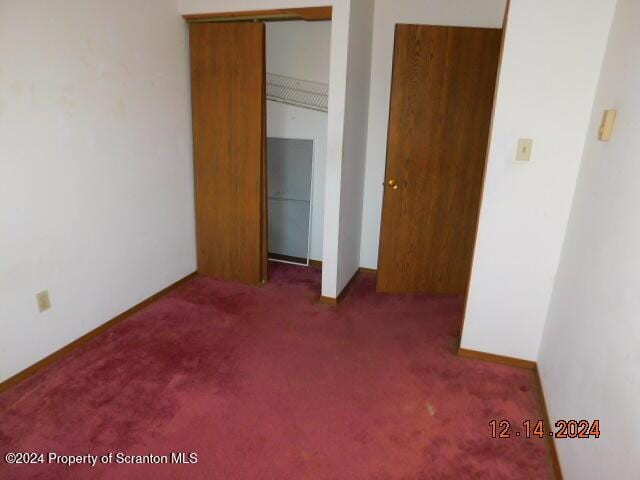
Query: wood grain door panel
(441, 104)
(228, 108)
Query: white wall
(550, 69)
(355, 139)
(388, 13)
(288, 47)
(96, 196)
(590, 353)
(335, 115)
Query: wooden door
(441, 105)
(228, 108)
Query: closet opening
(297, 100)
(259, 84)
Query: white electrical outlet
(43, 301)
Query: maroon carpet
(265, 383)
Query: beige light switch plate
(525, 145)
(43, 301)
(606, 128)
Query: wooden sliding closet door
(228, 107)
(441, 103)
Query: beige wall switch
(524, 149)
(606, 128)
(43, 301)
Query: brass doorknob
(393, 184)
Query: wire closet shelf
(294, 91)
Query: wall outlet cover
(525, 145)
(606, 127)
(43, 301)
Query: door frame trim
(309, 14)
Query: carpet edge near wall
(62, 352)
(528, 365)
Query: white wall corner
(335, 135)
(589, 355)
(355, 139)
(546, 89)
